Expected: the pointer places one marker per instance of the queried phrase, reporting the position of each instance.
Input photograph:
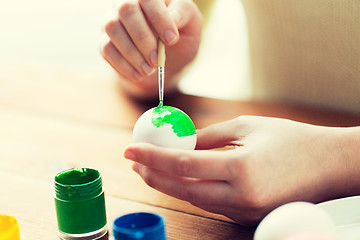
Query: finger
(181, 12)
(126, 47)
(192, 190)
(118, 62)
(218, 135)
(133, 19)
(158, 15)
(198, 164)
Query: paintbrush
(161, 71)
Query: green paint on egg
(181, 123)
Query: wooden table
(55, 120)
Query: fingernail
(154, 58)
(130, 155)
(170, 36)
(147, 69)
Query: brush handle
(161, 70)
(161, 54)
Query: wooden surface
(55, 120)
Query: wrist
(346, 168)
(351, 158)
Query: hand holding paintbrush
(132, 49)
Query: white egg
(167, 127)
(297, 218)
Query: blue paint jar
(139, 226)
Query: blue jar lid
(139, 226)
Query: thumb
(184, 12)
(217, 135)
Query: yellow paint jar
(9, 228)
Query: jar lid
(78, 184)
(140, 225)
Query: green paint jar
(80, 204)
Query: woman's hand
(274, 161)
(133, 39)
